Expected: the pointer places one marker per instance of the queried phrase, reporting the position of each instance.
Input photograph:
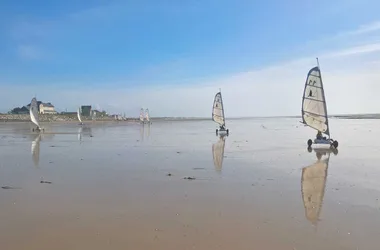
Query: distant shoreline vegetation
(345, 116)
(71, 116)
(357, 116)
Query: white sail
(142, 115)
(79, 116)
(218, 110)
(147, 115)
(36, 150)
(34, 112)
(218, 153)
(314, 110)
(313, 185)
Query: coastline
(57, 118)
(73, 118)
(64, 118)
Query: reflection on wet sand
(313, 184)
(142, 132)
(36, 150)
(84, 131)
(148, 131)
(80, 134)
(218, 153)
(114, 194)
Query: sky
(173, 56)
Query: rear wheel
(309, 143)
(228, 132)
(335, 144)
(216, 131)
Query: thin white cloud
(368, 48)
(29, 52)
(368, 33)
(363, 29)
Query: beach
(123, 185)
(61, 118)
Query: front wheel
(216, 131)
(228, 132)
(335, 144)
(309, 143)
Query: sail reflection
(313, 184)
(148, 131)
(80, 134)
(84, 132)
(218, 152)
(142, 132)
(36, 150)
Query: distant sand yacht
(314, 108)
(79, 117)
(142, 115)
(218, 114)
(34, 114)
(147, 118)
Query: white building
(47, 108)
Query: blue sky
(121, 55)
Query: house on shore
(47, 108)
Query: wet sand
(111, 190)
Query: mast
(221, 100)
(324, 98)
